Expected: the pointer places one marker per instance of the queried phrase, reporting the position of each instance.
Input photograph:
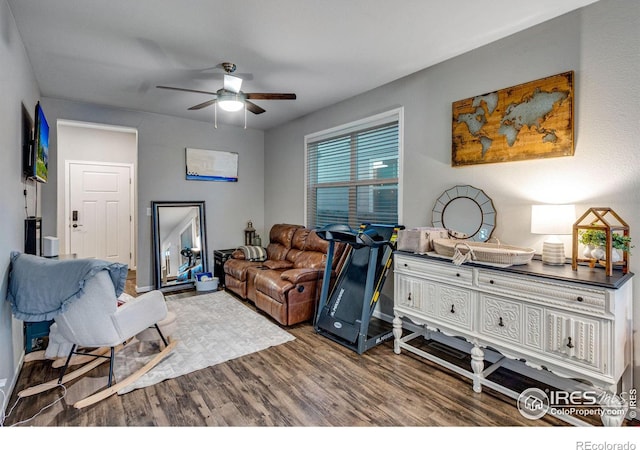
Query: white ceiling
(114, 52)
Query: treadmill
(344, 315)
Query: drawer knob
(453, 311)
(569, 344)
(409, 297)
(490, 281)
(580, 299)
(457, 274)
(500, 322)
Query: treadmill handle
(367, 240)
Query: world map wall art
(528, 121)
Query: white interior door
(99, 213)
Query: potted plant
(595, 240)
(622, 242)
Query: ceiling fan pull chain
(215, 115)
(245, 116)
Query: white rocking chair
(95, 321)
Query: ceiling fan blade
(203, 105)
(253, 107)
(270, 96)
(185, 90)
(232, 84)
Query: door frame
(67, 204)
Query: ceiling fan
(230, 97)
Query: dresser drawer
(501, 318)
(413, 294)
(576, 338)
(546, 292)
(449, 273)
(454, 306)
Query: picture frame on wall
(211, 165)
(532, 120)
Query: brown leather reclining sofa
(287, 284)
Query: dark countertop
(584, 274)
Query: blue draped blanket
(41, 288)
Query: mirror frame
(477, 196)
(155, 219)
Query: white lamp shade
(552, 219)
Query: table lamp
(553, 220)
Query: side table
(219, 258)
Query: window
(353, 173)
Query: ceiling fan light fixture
(231, 105)
(230, 101)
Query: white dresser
(575, 324)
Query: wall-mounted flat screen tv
(36, 161)
(27, 142)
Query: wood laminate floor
(310, 381)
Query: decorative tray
(483, 251)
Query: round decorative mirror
(466, 212)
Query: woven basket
(489, 252)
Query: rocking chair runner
(93, 320)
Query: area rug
(211, 329)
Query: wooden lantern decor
(249, 234)
(606, 221)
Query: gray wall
(17, 86)
(161, 174)
(600, 43)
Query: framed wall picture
(528, 121)
(211, 165)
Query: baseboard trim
(9, 387)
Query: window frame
(396, 114)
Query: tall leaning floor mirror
(179, 243)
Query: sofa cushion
(314, 252)
(278, 265)
(271, 284)
(297, 243)
(315, 243)
(276, 252)
(299, 239)
(310, 260)
(282, 233)
(301, 275)
(237, 268)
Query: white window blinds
(353, 174)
